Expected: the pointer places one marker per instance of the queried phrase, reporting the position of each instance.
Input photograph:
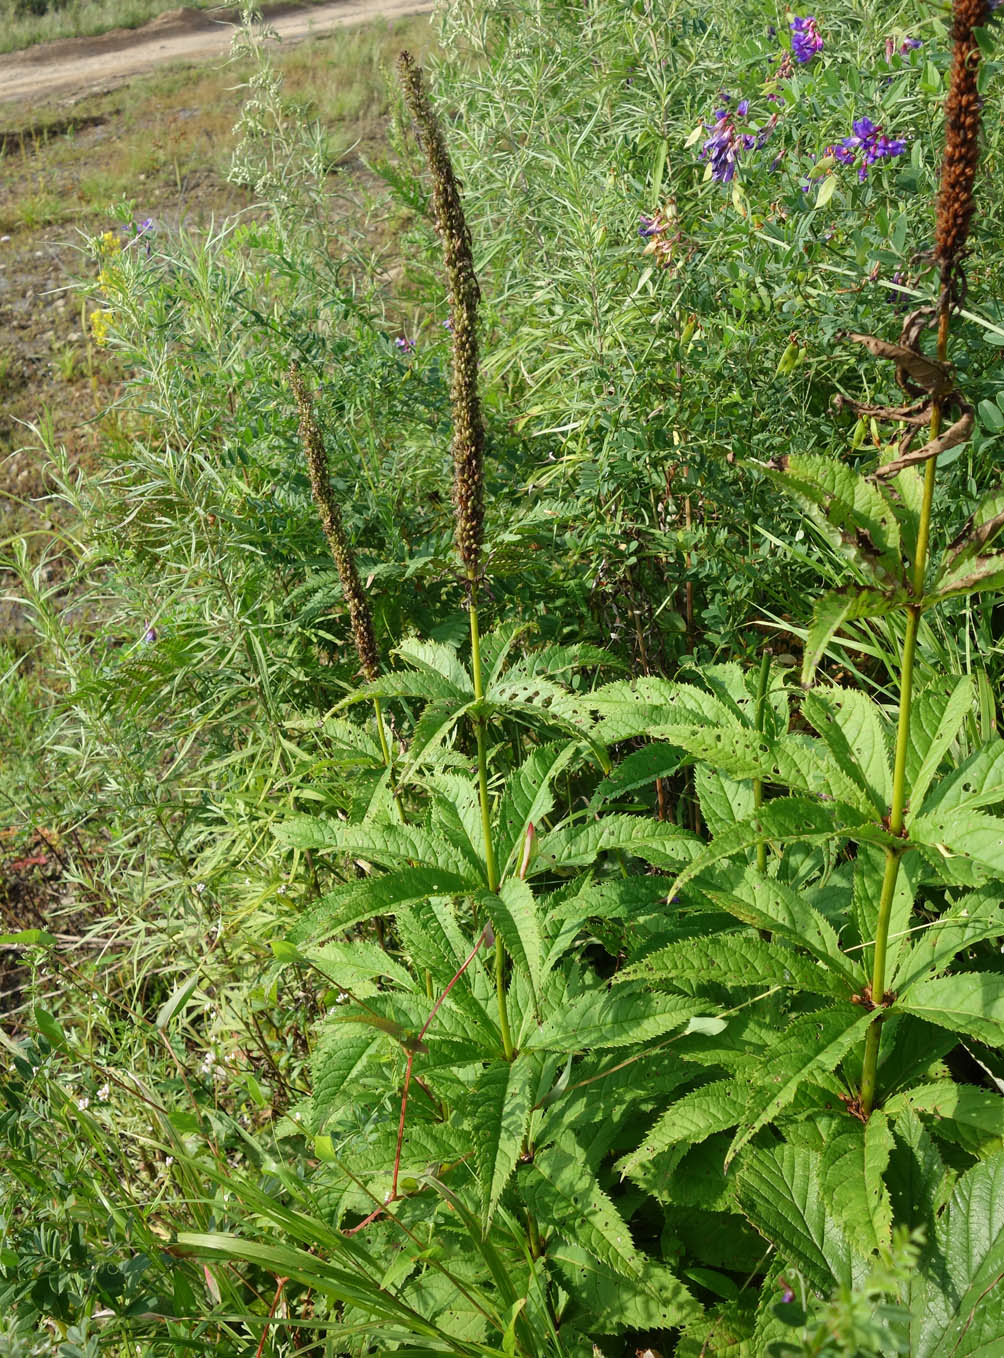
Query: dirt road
(73, 67)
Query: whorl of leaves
(468, 425)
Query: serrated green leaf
(855, 731)
(612, 1018)
(838, 606)
(811, 1046)
(499, 1114)
(628, 708)
(977, 781)
(866, 891)
(436, 658)
(780, 1191)
(918, 1181)
(347, 963)
(381, 894)
(341, 1054)
(785, 820)
(560, 1189)
(977, 916)
(609, 1303)
(970, 1002)
(513, 912)
(639, 769)
(527, 799)
(737, 960)
(957, 1298)
(768, 904)
(969, 835)
(970, 577)
(724, 801)
(851, 1171)
(936, 715)
(701, 1113)
(982, 1110)
(580, 844)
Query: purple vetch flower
(648, 226)
(726, 141)
(868, 144)
(150, 636)
(907, 45)
(787, 1294)
(407, 346)
(806, 39)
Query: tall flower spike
(962, 141)
(468, 425)
(334, 530)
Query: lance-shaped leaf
(513, 913)
(765, 903)
(969, 577)
(341, 1054)
(626, 709)
(780, 1191)
(612, 1018)
(936, 716)
(639, 769)
(381, 894)
(970, 836)
(969, 1002)
(528, 798)
(609, 1303)
(838, 606)
(701, 1113)
(434, 725)
(919, 1182)
(785, 820)
(802, 763)
(581, 843)
(434, 657)
(856, 733)
(737, 960)
(724, 801)
(980, 1111)
(957, 1298)
(854, 514)
(500, 1105)
(851, 1170)
(978, 915)
(811, 1047)
(977, 781)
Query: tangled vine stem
(954, 214)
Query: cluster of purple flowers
(722, 148)
(806, 39)
(137, 231)
(406, 345)
(868, 144)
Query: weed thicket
(608, 992)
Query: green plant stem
(486, 821)
(897, 809)
(759, 717)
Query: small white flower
(83, 1103)
(103, 1092)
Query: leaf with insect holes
(612, 1018)
(626, 708)
(811, 1046)
(973, 837)
(977, 916)
(737, 960)
(724, 801)
(499, 1109)
(837, 606)
(856, 516)
(978, 1111)
(856, 733)
(969, 1002)
(977, 781)
(780, 1190)
(851, 1171)
(936, 716)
